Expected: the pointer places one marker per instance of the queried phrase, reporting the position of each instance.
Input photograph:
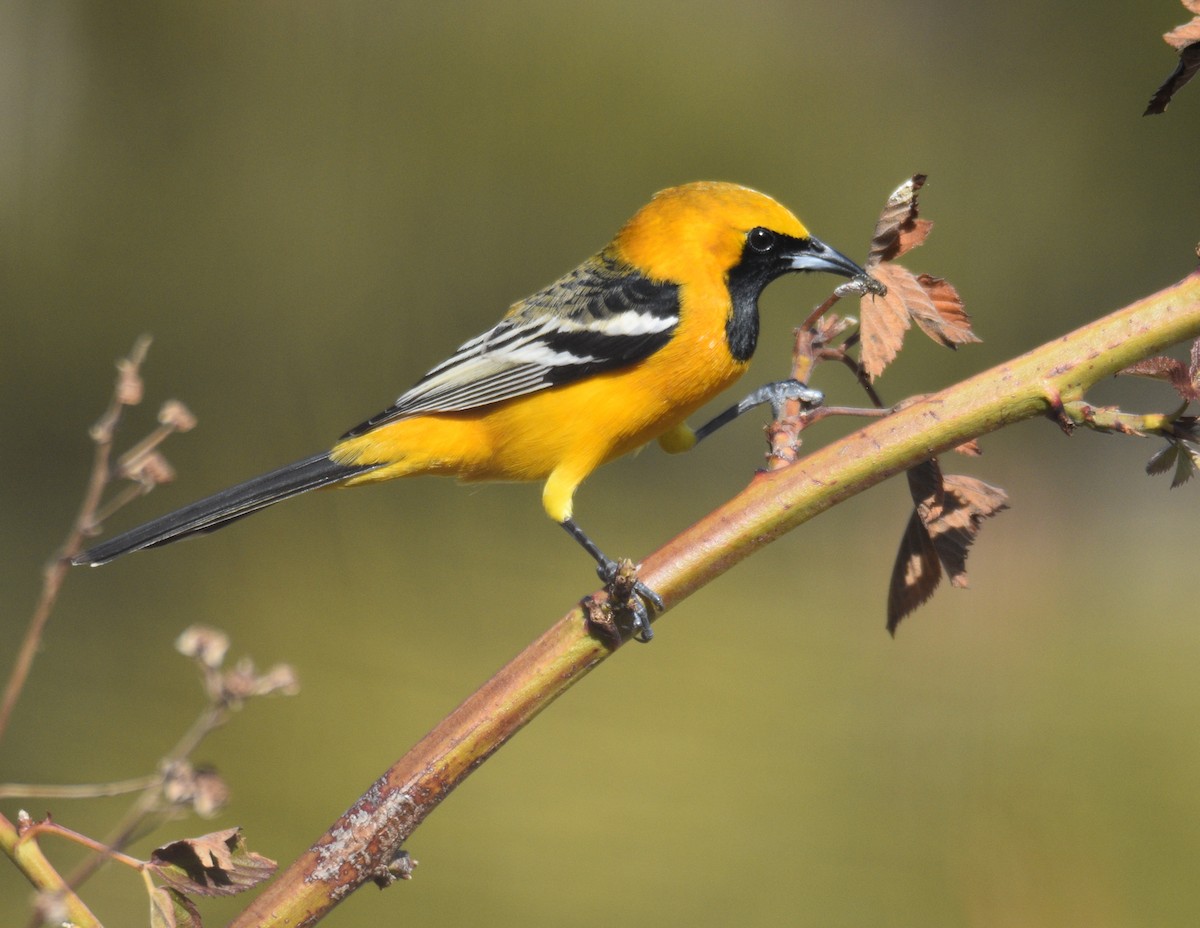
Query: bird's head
(727, 229)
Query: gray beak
(817, 256)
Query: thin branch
(363, 844)
(48, 827)
(79, 790)
(56, 571)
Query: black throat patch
(746, 281)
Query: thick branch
(361, 844)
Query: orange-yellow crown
(699, 226)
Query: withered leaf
(954, 523)
(884, 320)
(1181, 377)
(915, 575)
(1188, 34)
(931, 302)
(948, 515)
(926, 485)
(946, 321)
(898, 229)
(216, 864)
(169, 908)
(1186, 40)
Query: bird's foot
(629, 595)
(777, 394)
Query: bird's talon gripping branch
(625, 591)
(776, 393)
(641, 601)
(781, 391)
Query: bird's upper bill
(705, 224)
(817, 256)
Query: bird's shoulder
(601, 288)
(602, 315)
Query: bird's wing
(601, 316)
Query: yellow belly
(563, 432)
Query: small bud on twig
(208, 646)
(177, 416)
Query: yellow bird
(619, 351)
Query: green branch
(364, 844)
(57, 901)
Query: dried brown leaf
(1185, 70)
(884, 319)
(948, 323)
(898, 229)
(931, 302)
(1184, 39)
(216, 864)
(915, 575)
(948, 515)
(1158, 367)
(1181, 37)
(955, 521)
(970, 449)
(1181, 377)
(926, 485)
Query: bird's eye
(761, 240)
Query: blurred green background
(308, 204)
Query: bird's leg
(621, 583)
(777, 394)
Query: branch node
(1057, 411)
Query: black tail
(220, 509)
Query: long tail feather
(220, 509)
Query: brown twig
(79, 790)
(56, 571)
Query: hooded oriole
(616, 353)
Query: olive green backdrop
(308, 204)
